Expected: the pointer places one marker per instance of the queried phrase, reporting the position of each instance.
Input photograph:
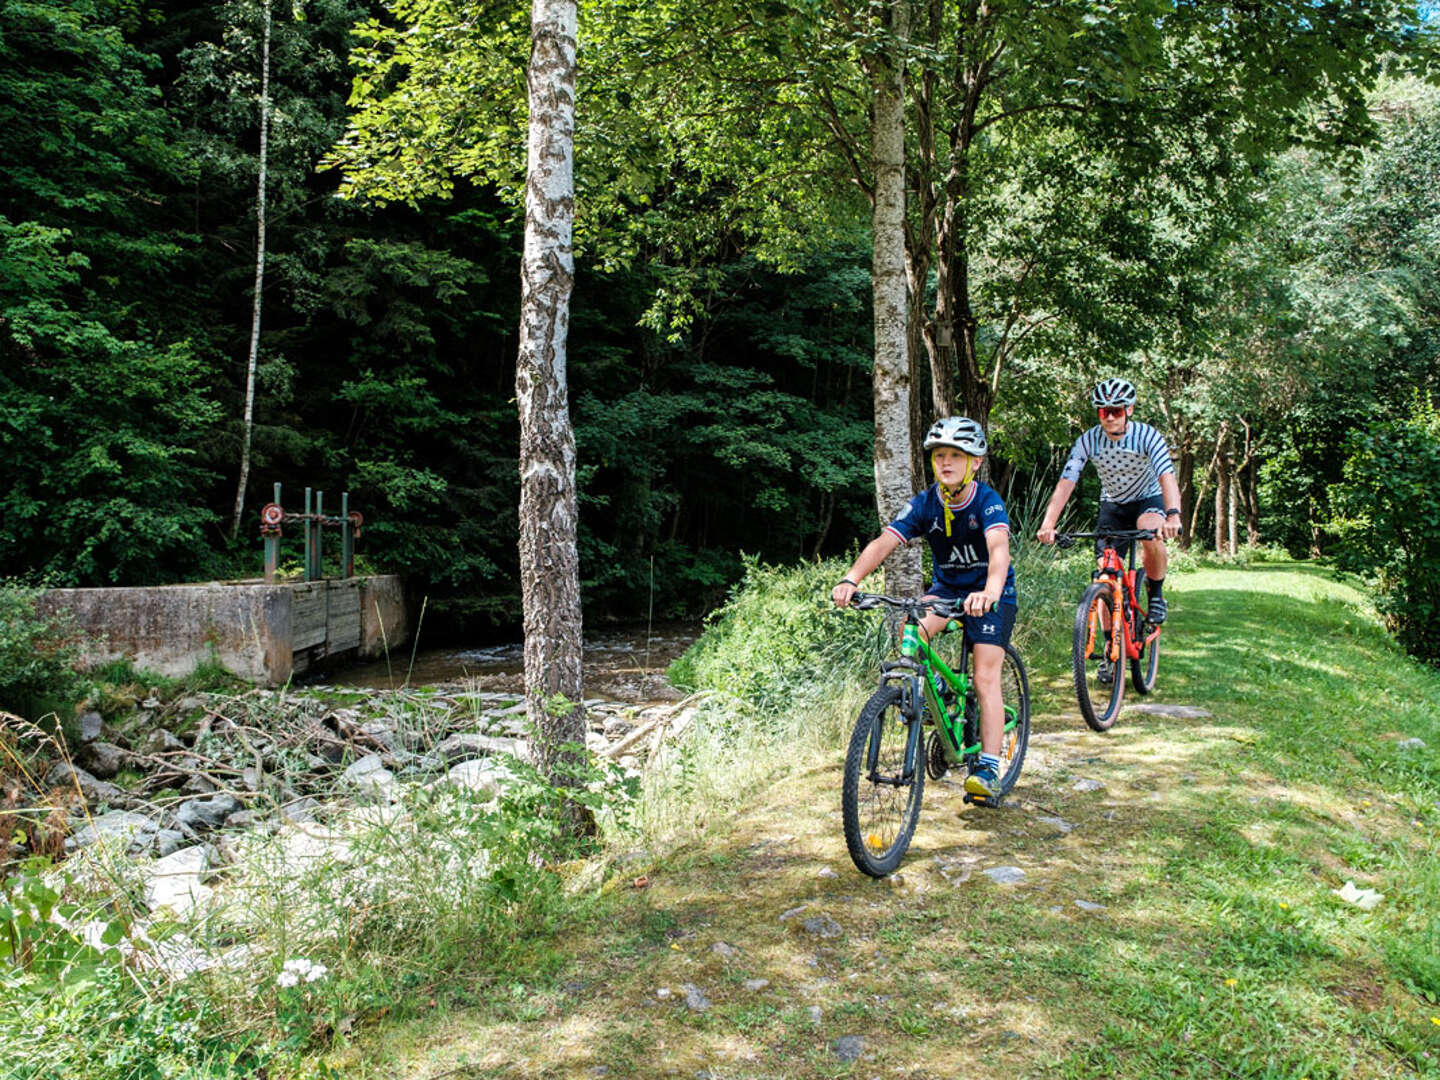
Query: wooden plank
(308, 616)
(343, 620)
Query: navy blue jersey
(961, 558)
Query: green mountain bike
(889, 755)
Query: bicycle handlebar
(1067, 540)
(867, 601)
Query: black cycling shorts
(1124, 515)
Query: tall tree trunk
(1231, 514)
(549, 557)
(1185, 480)
(890, 299)
(1252, 504)
(248, 425)
(1222, 500)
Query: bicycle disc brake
(935, 764)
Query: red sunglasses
(1112, 410)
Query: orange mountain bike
(1111, 628)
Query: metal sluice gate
(274, 517)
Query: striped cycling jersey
(1130, 467)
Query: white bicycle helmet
(1113, 392)
(958, 431)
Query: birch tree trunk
(549, 555)
(248, 425)
(891, 305)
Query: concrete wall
(263, 633)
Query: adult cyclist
(1137, 487)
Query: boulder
(464, 746)
(174, 882)
(91, 726)
(160, 741)
(135, 830)
(205, 814)
(103, 759)
(485, 777)
(369, 777)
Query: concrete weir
(263, 633)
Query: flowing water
(622, 664)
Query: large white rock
(175, 882)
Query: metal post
(347, 534)
(272, 548)
(309, 532)
(319, 536)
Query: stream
(620, 664)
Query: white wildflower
(293, 971)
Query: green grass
(1214, 848)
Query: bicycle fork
(911, 707)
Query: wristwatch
(1172, 512)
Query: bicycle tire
(1144, 669)
(1014, 691)
(1087, 648)
(880, 818)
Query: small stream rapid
(620, 664)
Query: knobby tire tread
(1095, 719)
(855, 784)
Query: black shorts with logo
(1124, 515)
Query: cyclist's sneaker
(984, 783)
(1105, 671)
(1156, 613)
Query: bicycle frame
(1122, 586)
(920, 672)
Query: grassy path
(1176, 915)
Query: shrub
(779, 636)
(1385, 512)
(35, 656)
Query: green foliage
(779, 632)
(36, 655)
(1385, 511)
(105, 1028)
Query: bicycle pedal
(984, 800)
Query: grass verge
(1178, 914)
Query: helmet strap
(948, 495)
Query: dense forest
(1273, 287)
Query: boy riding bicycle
(1137, 488)
(969, 534)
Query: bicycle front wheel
(880, 798)
(1099, 685)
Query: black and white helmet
(1113, 392)
(958, 431)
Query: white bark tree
(549, 556)
(891, 380)
(249, 421)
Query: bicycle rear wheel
(1144, 669)
(1099, 701)
(1015, 695)
(880, 799)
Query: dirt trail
(764, 953)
